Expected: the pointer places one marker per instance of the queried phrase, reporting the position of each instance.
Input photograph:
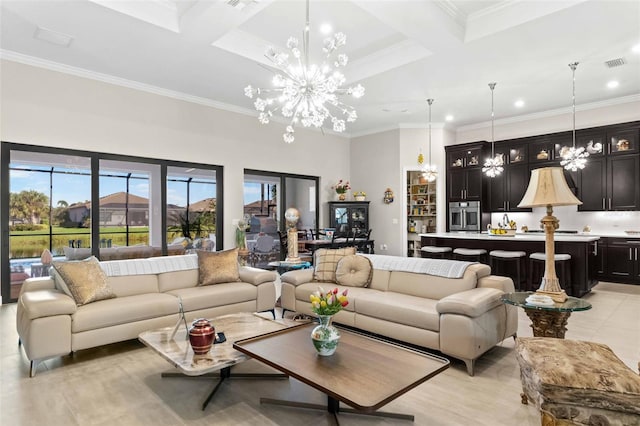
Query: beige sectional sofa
(147, 293)
(460, 317)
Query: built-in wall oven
(464, 216)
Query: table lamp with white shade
(548, 188)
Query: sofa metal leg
(470, 365)
(33, 367)
(19, 342)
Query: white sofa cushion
(175, 280)
(131, 285)
(196, 298)
(433, 287)
(123, 310)
(400, 308)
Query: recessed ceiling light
(326, 28)
(636, 48)
(519, 103)
(612, 84)
(449, 117)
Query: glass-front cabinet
(349, 215)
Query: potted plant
(341, 189)
(359, 195)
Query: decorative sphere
(292, 215)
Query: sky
(74, 188)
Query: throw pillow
(218, 266)
(85, 279)
(326, 261)
(354, 271)
(59, 282)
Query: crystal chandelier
(429, 170)
(308, 94)
(573, 158)
(493, 166)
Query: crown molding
(552, 112)
(123, 82)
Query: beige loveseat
(461, 317)
(147, 296)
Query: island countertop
(578, 238)
(583, 249)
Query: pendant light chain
(430, 101)
(493, 115)
(573, 67)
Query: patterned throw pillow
(85, 280)
(354, 271)
(218, 266)
(326, 261)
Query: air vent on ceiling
(53, 37)
(615, 62)
(241, 4)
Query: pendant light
(573, 158)
(493, 166)
(429, 170)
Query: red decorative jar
(201, 335)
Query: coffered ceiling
(401, 51)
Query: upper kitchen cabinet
(622, 141)
(592, 140)
(610, 183)
(540, 150)
(464, 171)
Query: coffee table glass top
(572, 304)
(365, 373)
(235, 327)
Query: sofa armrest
(297, 277)
(46, 303)
(471, 303)
(504, 284)
(39, 283)
(256, 276)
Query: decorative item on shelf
(586, 229)
(573, 158)
(325, 336)
(622, 145)
(341, 189)
(493, 166)
(388, 196)
(594, 148)
(359, 195)
(303, 92)
(542, 155)
(201, 336)
(548, 188)
(292, 215)
(46, 258)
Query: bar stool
(433, 252)
(470, 255)
(536, 269)
(499, 259)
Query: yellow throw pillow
(218, 266)
(354, 271)
(326, 261)
(85, 280)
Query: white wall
(48, 108)
(374, 168)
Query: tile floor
(120, 384)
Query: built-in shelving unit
(421, 210)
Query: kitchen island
(582, 248)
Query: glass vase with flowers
(341, 189)
(325, 305)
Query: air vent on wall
(615, 62)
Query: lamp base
(557, 296)
(293, 260)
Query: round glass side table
(547, 321)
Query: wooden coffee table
(222, 356)
(364, 373)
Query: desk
(547, 321)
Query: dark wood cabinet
(540, 150)
(593, 141)
(506, 190)
(592, 185)
(619, 260)
(464, 172)
(622, 141)
(610, 183)
(349, 215)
